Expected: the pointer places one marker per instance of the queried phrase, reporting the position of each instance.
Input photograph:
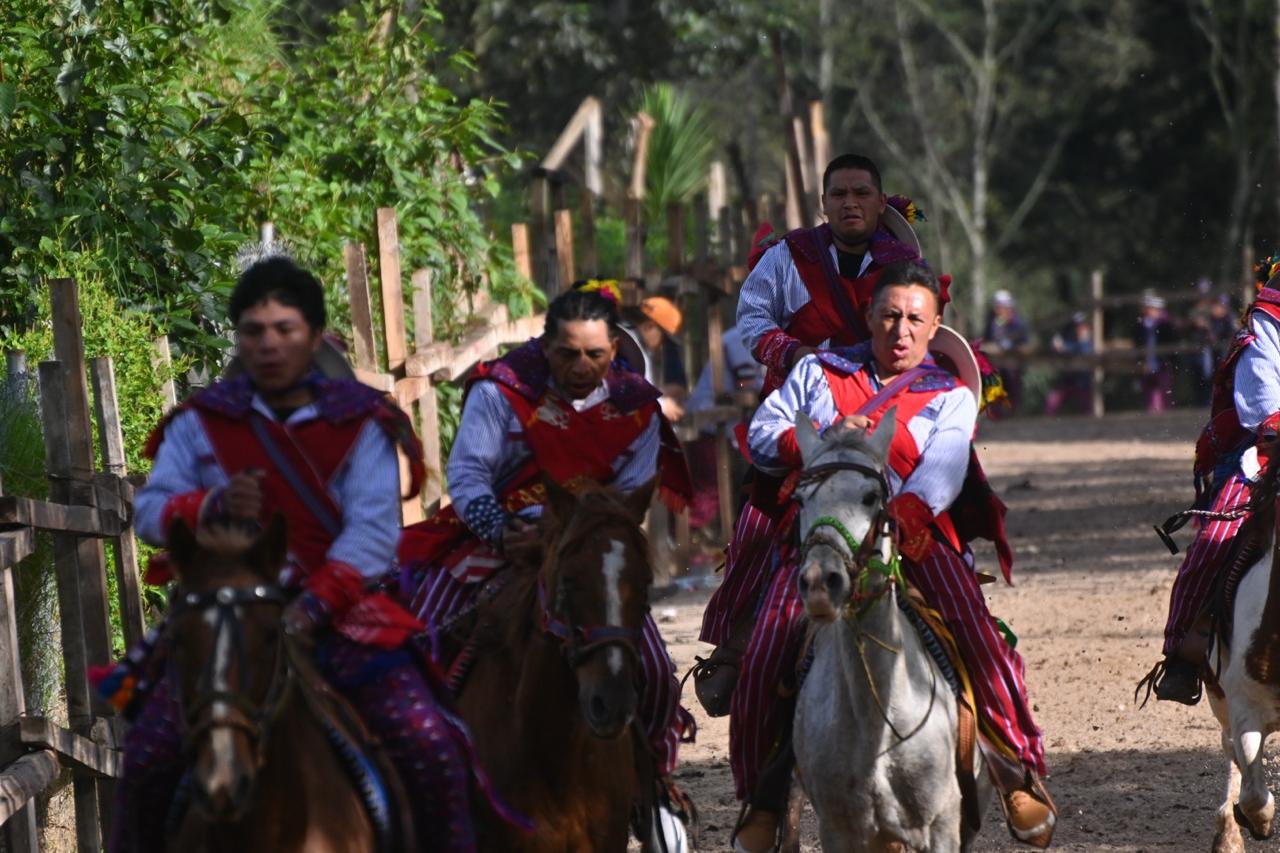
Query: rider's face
(852, 204)
(276, 344)
(903, 319)
(580, 355)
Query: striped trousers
(746, 570)
(951, 588)
(1206, 556)
(440, 596)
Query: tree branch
(930, 14)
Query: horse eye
(870, 498)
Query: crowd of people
(1174, 353)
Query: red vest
(316, 450)
(1223, 434)
(851, 390)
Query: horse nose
(608, 709)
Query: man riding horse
(929, 465)
(807, 291)
(559, 407)
(1231, 452)
(280, 437)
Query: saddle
(361, 753)
(1250, 543)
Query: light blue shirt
(366, 487)
(491, 448)
(1257, 376)
(773, 293)
(943, 430)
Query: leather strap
(314, 503)
(889, 391)
(838, 294)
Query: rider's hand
(800, 353)
(303, 617)
(671, 409)
(521, 540)
(242, 496)
(859, 422)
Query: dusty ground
(1089, 606)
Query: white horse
(1248, 703)
(875, 725)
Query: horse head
(842, 494)
(228, 665)
(594, 594)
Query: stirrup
(1154, 681)
(714, 679)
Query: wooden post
(363, 339)
(15, 373)
(19, 832)
(564, 248)
(729, 251)
(520, 249)
(821, 146)
(392, 289)
(786, 108)
(590, 266)
(724, 477)
(1248, 291)
(675, 238)
(428, 406)
(1099, 343)
(633, 213)
(544, 270)
(267, 233)
(54, 412)
(111, 440)
(163, 360)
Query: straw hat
(954, 353)
(900, 228)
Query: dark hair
(852, 161)
(280, 279)
(577, 305)
(905, 273)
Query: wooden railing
(87, 508)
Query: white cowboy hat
(959, 359)
(900, 228)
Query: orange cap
(663, 312)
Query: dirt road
(1089, 606)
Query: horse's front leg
(1228, 838)
(1257, 805)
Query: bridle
(215, 707)
(577, 641)
(859, 558)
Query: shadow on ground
(1129, 800)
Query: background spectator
(1007, 333)
(1073, 386)
(1151, 330)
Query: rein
(860, 560)
(229, 708)
(577, 641)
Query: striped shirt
(943, 430)
(366, 487)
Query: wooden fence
(88, 509)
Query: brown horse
(552, 694)
(264, 776)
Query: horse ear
(807, 437)
(637, 503)
(560, 501)
(271, 549)
(880, 439)
(181, 543)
